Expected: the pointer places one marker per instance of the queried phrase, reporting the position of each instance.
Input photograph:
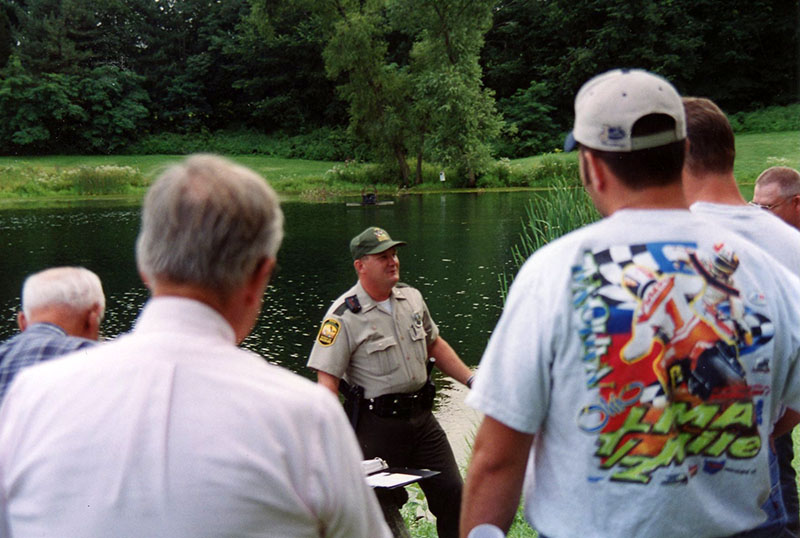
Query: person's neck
(712, 187)
(70, 320)
(377, 293)
(208, 297)
(664, 197)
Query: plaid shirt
(39, 342)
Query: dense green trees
(740, 53)
(453, 82)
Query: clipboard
(380, 475)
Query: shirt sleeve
(331, 352)
(348, 508)
(431, 329)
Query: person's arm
(786, 423)
(328, 381)
(494, 479)
(448, 361)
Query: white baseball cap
(608, 105)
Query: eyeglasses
(770, 207)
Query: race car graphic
(664, 330)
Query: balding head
(778, 190)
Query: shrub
(324, 144)
(543, 171)
(105, 179)
(767, 120)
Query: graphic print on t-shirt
(668, 346)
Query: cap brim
(570, 144)
(385, 246)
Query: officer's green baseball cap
(373, 240)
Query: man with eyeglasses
(711, 189)
(778, 190)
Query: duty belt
(402, 405)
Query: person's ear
(259, 279)
(22, 321)
(265, 269)
(91, 326)
(145, 281)
(595, 172)
(359, 265)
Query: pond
(458, 245)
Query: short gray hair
(788, 179)
(208, 222)
(73, 287)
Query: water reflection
(457, 247)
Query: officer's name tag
(328, 332)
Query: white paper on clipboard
(390, 480)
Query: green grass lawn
(74, 175)
(272, 168)
(759, 151)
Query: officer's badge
(328, 332)
(417, 319)
(381, 235)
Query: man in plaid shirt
(62, 308)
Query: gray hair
(788, 179)
(208, 222)
(74, 287)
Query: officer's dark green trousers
(418, 442)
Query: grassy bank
(79, 176)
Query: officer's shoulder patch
(328, 332)
(350, 303)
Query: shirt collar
(368, 303)
(47, 327)
(181, 315)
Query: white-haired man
(62, 308)
(172, 430)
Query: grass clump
(83, 180)
(549, 215)
(105, 179)
(421, 524)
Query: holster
(353, 394)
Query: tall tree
(66, 86)
(448, 84)
(5, 37)
(180, 52)
(275, 60)
(378, 93)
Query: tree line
(455, 82)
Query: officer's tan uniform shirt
(384, 353)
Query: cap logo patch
(381, 235)
(328, 332)
(612, 135)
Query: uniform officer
(377, 338)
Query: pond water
(458, 244)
